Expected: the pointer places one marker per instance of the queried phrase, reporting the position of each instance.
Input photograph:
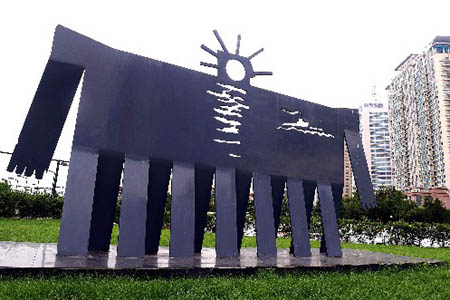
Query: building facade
(348, 174)
(419, 107)
(374, 130)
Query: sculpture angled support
(243, 182)
(107, 184)
(360, 169)
(277, 183)
(203, 186)
(159, 177)
(152, 117)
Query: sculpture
(149, 118)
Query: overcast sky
(329, 52)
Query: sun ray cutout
(223, 57)
(208, 50)
(219, 39)
(205, 64)
(238, 44)
(256, 53)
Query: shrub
(392, 205)
(391, 233)
(7, 204)
(351, 208)
(25, 205)
(440, 234)
(364, 227)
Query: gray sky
(329, 52)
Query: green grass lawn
(421, 282)
(47, 230)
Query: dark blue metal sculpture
(149, 118)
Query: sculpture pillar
(265, 231)
(182, 226)
(329, 220)
(226, 210)
(133, 212)
(78, 202)
(299, 224)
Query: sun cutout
(233, 66)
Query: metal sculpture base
(33, 257)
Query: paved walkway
(43, 256)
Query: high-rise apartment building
(348, 174)
(374, 130)
(419, 107)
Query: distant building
(348, 174)
(374, 130)
(419, 107)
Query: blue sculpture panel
(167, 116)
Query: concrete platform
(42, 257)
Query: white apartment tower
(419, 107)
(349, 185)
(374, 130)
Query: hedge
(25, 205)
(398, 232)
(391, 233)
(392, 205)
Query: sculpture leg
(226, 210)
(159, 176)
(77, 209)
(265, 231)
(182, 227)
(107, 184)
(203, 184)
(309, 190)
(277, 183)
(299, 224)
(329, 220)
(133, 211)
(336, 190)
(243, 182)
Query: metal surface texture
(158, 117)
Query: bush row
(26, 205)
(391, 233)
(392, 205)
(362, 230)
